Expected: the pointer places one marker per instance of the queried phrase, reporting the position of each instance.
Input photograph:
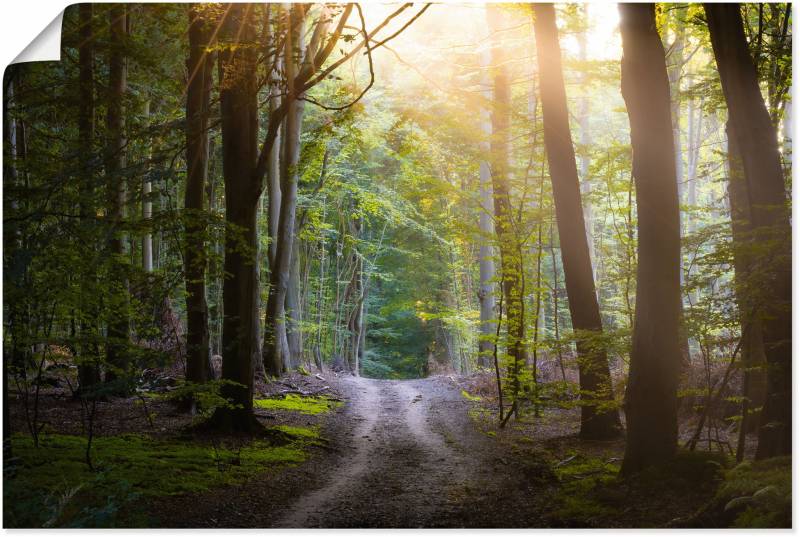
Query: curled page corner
(46, 46)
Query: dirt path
(399, 454)
(408, 463)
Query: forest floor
(379, 453)
(428, 453)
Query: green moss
(469, 397)
(305, 433)
(579, 497)
(296, 403)
(767, 487)
(128, 467)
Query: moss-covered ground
(297, 403)
(753, 494)
(52, 485)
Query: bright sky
(604, 32)
(464, 23)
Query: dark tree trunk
(198, 92)
(508, 239)
(651, 398)
(239, 107)
(758, 145)
(119, 324)
(754, 382)
(274, 362)
(599, 418)
(88, 369)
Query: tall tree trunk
(294, 311)
(147, 205)
(292, 306)
(239, 110)
(119, 325)
(274, 355)
(599, 418)
(508, 239)
(752, 348)
(198, 94)
(274, 197)
(362, 318)
(586, 140)
(676, 60)
(757, 142)
(651, 398)
(88, 369)
(486, 252)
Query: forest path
(407, 461)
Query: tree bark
(198, 94)
(757, 142)
(274, 355)
(676, 60)
(119, 324)
(88, 369)
(147, 205)
(599, 418)
(274, 198)
(752, 348)
(293, 309)
(239, 110)
(651, 398)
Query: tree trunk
(274, 355)
(486, 252)
(88, 369)
(599, 418)
(119, 324)
(754, 359)
(507, 235)
(757, 142)
(294, 311)
(651, 398)
(198, 93)
(674, 70)
(147, 206)
(239, 107)
(585, 142)
(292, 306)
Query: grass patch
(53, 486)
(296, 403)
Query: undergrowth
(758, 494)
(53, 486)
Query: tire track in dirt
(400, 473)
(310, 504)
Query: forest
(400, 265)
